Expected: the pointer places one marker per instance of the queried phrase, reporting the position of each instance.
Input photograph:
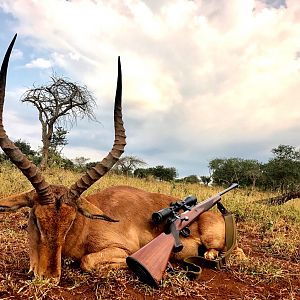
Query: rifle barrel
(233, 186)
(200, 208)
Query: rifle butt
(150, 262)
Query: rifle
(150, 262)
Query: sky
(202, 79)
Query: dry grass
(269, 236)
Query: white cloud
(29, 132)
(17, 54)
(204, 74)
(92, 154)
(39, 63)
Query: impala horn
(12, 151)
(101, 168)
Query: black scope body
(163, 214)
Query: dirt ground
(231, 282)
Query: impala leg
(108, 257)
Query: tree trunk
(45, 154)
(46, 138)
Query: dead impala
(64, 223)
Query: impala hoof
(211, 254)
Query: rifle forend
(149, 263)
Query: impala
(100, 229)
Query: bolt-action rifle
(150, 262)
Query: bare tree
(81, 163)
(127, 164)
(59, 103)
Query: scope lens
(156, 217)
(161, 215)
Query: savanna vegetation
(269, 236)
(281, 172)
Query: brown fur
(58, 229)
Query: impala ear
(91, 211)
(17, 201)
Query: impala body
(101, 229)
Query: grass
(268, 234)
(267, 271)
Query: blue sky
(202, 79)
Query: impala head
(54, 208)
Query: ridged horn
(101, 168)
(12, 151)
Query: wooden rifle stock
(150, 262)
